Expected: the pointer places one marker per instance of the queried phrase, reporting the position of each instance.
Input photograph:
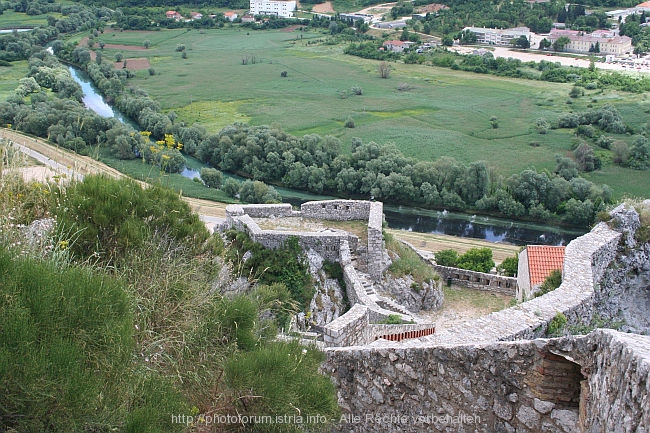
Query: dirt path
(462, 305)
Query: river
(399, 217)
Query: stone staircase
(391, 305)
(368, 286)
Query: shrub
(111, 216)
(279, 379)
(556, 325)
(446, 258)
(476, 259)
(349, 122)
(212, 177)
(509, 266)
(66, 354)
(552, 282)
(286, 265)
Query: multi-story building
(282, 9)
(580, 42)
(498, 36)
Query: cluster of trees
(539, 17)
(474, 259)
(21, 45)
(315, 164)
(591, 124)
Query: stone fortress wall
(495, 371)
(492, 374)
(355, 326)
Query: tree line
(316, 164)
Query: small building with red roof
(536, 262)
(173, 15)
(230, 15)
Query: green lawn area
(234, 75)
(9, 77)
(14, 20)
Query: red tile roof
(543, 259)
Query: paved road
(59, 168)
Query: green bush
(66, 354)
(446, 258)
(286, 265)
(556, 325)
(109, 216)
(281, 379)
(509, 266)
(476, 259)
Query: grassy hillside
(116, 317)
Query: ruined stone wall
(376, 262)
(337, 210)
(354, 328)
(478, 280)
(617, 391)
(327, 242)
(524, 386)
(348, 329)
(423, 389)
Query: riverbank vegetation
(117, 320)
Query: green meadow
(13, 20)
(234, 75)
(9, 77)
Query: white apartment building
(282, 9)
(498, 36)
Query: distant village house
(231, 16)
(397, 46)
(173, 15)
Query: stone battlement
(494, 370)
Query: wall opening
(556, 379)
